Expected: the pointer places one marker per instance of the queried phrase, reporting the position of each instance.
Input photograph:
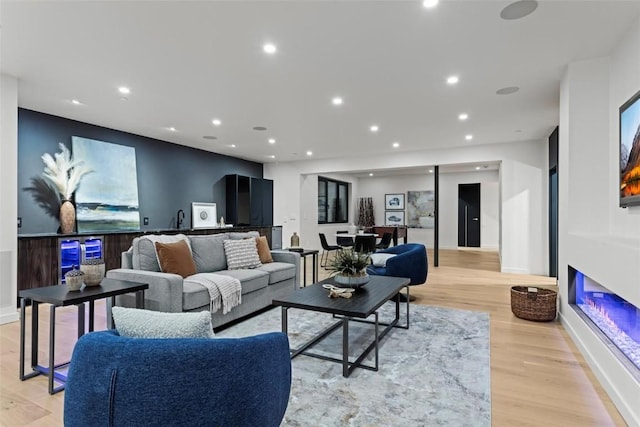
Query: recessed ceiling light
(309, 153)
(430, 170)
(463, 116)
(259, 128)
(507, 90)
(374, 128)
(124, 90)
(451, 80)
(468, 137)
(216, 122)
(272, 156)
(210, 137)
(477, 168)
(272, 141)
(337, 101)
(371, 174)
(270, 48)
(519, 9)
(75, 102)
(430, 3)
(233, 145)
(172, 129)
(396, 144)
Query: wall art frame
(203, 215)
(394, 201)
(393, 217)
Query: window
(333, 201)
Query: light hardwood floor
(538, 378)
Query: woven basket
(532, 303)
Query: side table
(60, 296)
(304, 253)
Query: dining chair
(366, 244)
(385, 241)
(326, 248)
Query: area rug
(436, 373)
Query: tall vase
(67, 217)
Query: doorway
(469, 215)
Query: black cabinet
(249, 201)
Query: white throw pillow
(241, 254)
(380, 260)
(138, 323)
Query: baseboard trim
(514, 270)
(631, 416)
(9, 318)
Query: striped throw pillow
(241, 254)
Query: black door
(469, 215)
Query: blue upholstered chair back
(118, 381)
(410, 261)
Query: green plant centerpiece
(348, 268)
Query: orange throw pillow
(263, 250)
(175, 258)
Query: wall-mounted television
(630, 152)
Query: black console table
(60, 296)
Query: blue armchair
(410, 261)
(119, 381)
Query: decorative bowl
(355, 282)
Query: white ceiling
(189, 62)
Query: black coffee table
(365, 302)
(60, 296)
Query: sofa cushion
(243, 235)
(241, 254)
(144, 252)
(196, 296)
(279, 271)
(137, 323)
(251, 280)
(175, 258)
(264, 252)
(208, 252)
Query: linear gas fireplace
(615, 320)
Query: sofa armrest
(164, 293)
(291, 258)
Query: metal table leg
(315, 267)
(345, 346)
(285, 320)
(52, 345)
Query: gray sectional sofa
(170, 293)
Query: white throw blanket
(223, 290)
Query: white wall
(377, 187)
(522, 194)
(597, 237)
(9, 197)
(489, 207)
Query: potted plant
(348, 268)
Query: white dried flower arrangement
(63, 173)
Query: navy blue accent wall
(170, 176)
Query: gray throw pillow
(138, 323)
